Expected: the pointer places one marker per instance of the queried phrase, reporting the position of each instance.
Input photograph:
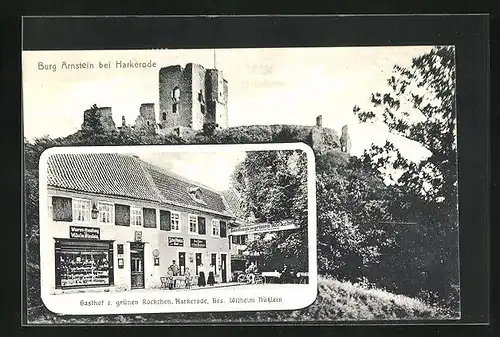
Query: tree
(420, 105)
(273, 186)
(351, 199)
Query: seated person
(170, 279)
(250, 271)
(187, 275)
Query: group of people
(174, 270)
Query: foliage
(420, 106)
(336, 301)
(273, 186)
(351, 200)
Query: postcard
(314, 184)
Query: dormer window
(196, 194)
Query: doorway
(198, 263)
(137, 265)
(223, 267)
(182, 262)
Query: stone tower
(101, 115)
(345, 140)
(316, 135)
(190, 97)
(146, 121)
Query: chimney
(319, 121)
(123, 121)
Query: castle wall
(198, 96)
(217, 96)
(146, 121)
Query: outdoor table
(180, 279)
(271, 275)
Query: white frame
(189, 224)
(48, 230)
(112, 219)
(73, 209)
(215, 221)
(179, 222)
(133, 208)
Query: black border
(470, 35)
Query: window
(193, 224)
(81, 210)
(175, 221)
(62, 209)
(223, 232)
(239, 239)
(105, 212)
(122, 215)
(164, 220)
(149, 217)
(215, 227)
(80, 264)
(136, 216)
(176, 94)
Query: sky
(266, 86)
(212, 169)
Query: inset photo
(185, 228)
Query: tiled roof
(234, 203)
(103, 173)
(125, 175)
(173, 188)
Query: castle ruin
(191, 97)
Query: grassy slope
(336, 301)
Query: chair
(163, 282)
(188, 280)
(170, 279)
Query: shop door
(223, 267)
(198, 262)
(182, 262)
(137, 265)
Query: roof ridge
(177, 176)
(155, 188)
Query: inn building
(116, 222)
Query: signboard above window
(76, 232)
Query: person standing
(174, 268)
(201, 276)
(211, 278)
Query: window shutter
(202, 228)
(122, 215)
(149, 215)
(165, 220)
(62, 209)
(223, 233)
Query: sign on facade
(76, 232)
(137, 236)
(265, 228)
(175, 241)
(198, 243)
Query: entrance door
(137, 265)
(198, 262)
(182, 262)
(223, 267)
